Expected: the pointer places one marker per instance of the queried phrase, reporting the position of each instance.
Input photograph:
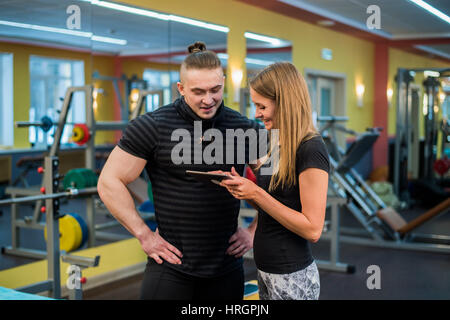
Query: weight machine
(382, 226)
(406, 141)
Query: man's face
(203, 90)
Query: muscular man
(196, 252)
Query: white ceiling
(144, 35)
(400, 19)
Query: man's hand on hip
(241, 242)
(158, 248)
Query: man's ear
(180, 88)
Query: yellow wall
(104, 65)
(105, 100)
(21, 77)
(351, 56)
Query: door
(325, 97)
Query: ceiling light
(223, 56)
(120, 7)
(64, 31)
(254, 36)
(109, 40)
(261, 62)
(160, 16)
(432, 10)
(258, 61)
(44, 28)
(200, 24)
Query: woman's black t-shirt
(277, 249)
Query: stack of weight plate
(80, 178)
(73, 232)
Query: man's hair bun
(197, 47)
(200, 58)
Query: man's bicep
(123, 165)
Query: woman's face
(265, 108)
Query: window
(6, 99)
(49, 80)
(163, 84)
(327, 91)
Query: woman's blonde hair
(282, 83)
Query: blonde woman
(291, 202)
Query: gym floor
(405, 274)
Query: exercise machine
(382, 226)
(410, 162)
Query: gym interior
(74, 73)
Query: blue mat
(10, 294)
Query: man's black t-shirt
(277, 249)
(197, 218)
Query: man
(196, 252)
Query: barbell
(71, 192)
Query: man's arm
(120, 169)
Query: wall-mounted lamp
(389, 94)
(360, 94)
(94, 99)
(134, 96)
(236, 77)
(95, 93)
(436, 108)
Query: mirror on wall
(129, 71)
(129, 54)
(143, 62)
(45, 48)
(262, 51)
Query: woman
(291, 202)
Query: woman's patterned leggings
(300, 285)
